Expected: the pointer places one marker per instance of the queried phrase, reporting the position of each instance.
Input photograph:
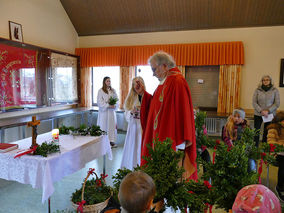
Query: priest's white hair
(162, 58)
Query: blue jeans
(251, 165)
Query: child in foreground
(136, 193)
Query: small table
(42, 172)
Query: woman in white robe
(132, 145)
(107, 115)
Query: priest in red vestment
(170, 113)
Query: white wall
(44, 22)
(263, 47)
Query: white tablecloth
(42, 172)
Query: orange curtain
(85, 75)
(126, 75)
(198, 54)
(229, 88)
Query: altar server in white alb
(107, 115)
(132, 146)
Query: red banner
(17, 76)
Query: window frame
(50, 96)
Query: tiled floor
(20, 198)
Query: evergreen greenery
(162, 166)
(96, 191)
(112, 100)
(47, 148)
(82, 130)
(228, 174)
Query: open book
(6, 147)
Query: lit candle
(55, 135)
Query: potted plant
(94, 194)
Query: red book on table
(6, 147)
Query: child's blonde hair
(136, 191)
(230, 122)
(132, 95)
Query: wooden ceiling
(104, 17)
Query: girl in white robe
(107, 115)
(132, 146)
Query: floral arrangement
(112, 100)
(93, 191)
(46, 148)
(82, 130)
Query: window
(98, 74)
(64, 84)
(27, 87)
(146, 73)
(63, 79)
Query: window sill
(25, 112)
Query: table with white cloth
(42, 172)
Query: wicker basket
(95, 208)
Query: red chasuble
(171, 116)
(145, 105)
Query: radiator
(211, 125)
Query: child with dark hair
(136, 192)
(276, 136)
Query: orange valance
(197, 54)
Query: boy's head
(136, 192)
(238, 115)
